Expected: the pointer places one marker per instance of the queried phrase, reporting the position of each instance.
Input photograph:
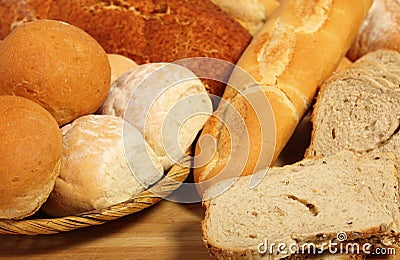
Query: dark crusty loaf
(311, 201)
(358, 109)
(145, 30)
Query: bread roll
(119, 65)
(296, 50)
(56, 65)
(166, 102)
(380, 30)
(144, 31)
(30, 155)
(105, 161)
(251, 14)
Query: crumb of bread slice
(311, 201)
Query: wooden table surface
(167, 230)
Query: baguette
(295, 51)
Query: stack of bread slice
(358, 109)
(346, 186)
(305, 207)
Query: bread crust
(295, 51)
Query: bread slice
(358, 109)
(308, 202)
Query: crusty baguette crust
(296, 50)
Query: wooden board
(167, 230)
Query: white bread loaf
(358, 109)
(166, 102)
(380, 30)
(105, 161)
(295, 51)
(30, 156)
(311, 201)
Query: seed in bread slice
(309, 202)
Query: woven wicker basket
(176, 175)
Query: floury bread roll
(166, 102)
(119, 65)
(380, 30)
(57, 65)
(296, 50)
(30, 156)
(251, 14)
(105, 161)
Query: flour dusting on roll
(95, 171)
(166, 102)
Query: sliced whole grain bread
(308, 202)
(358, 109)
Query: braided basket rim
(40, 226)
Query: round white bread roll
(105, 161)
(30, 156)
(119, 65)
(166, 102)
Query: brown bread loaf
(146, 30)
